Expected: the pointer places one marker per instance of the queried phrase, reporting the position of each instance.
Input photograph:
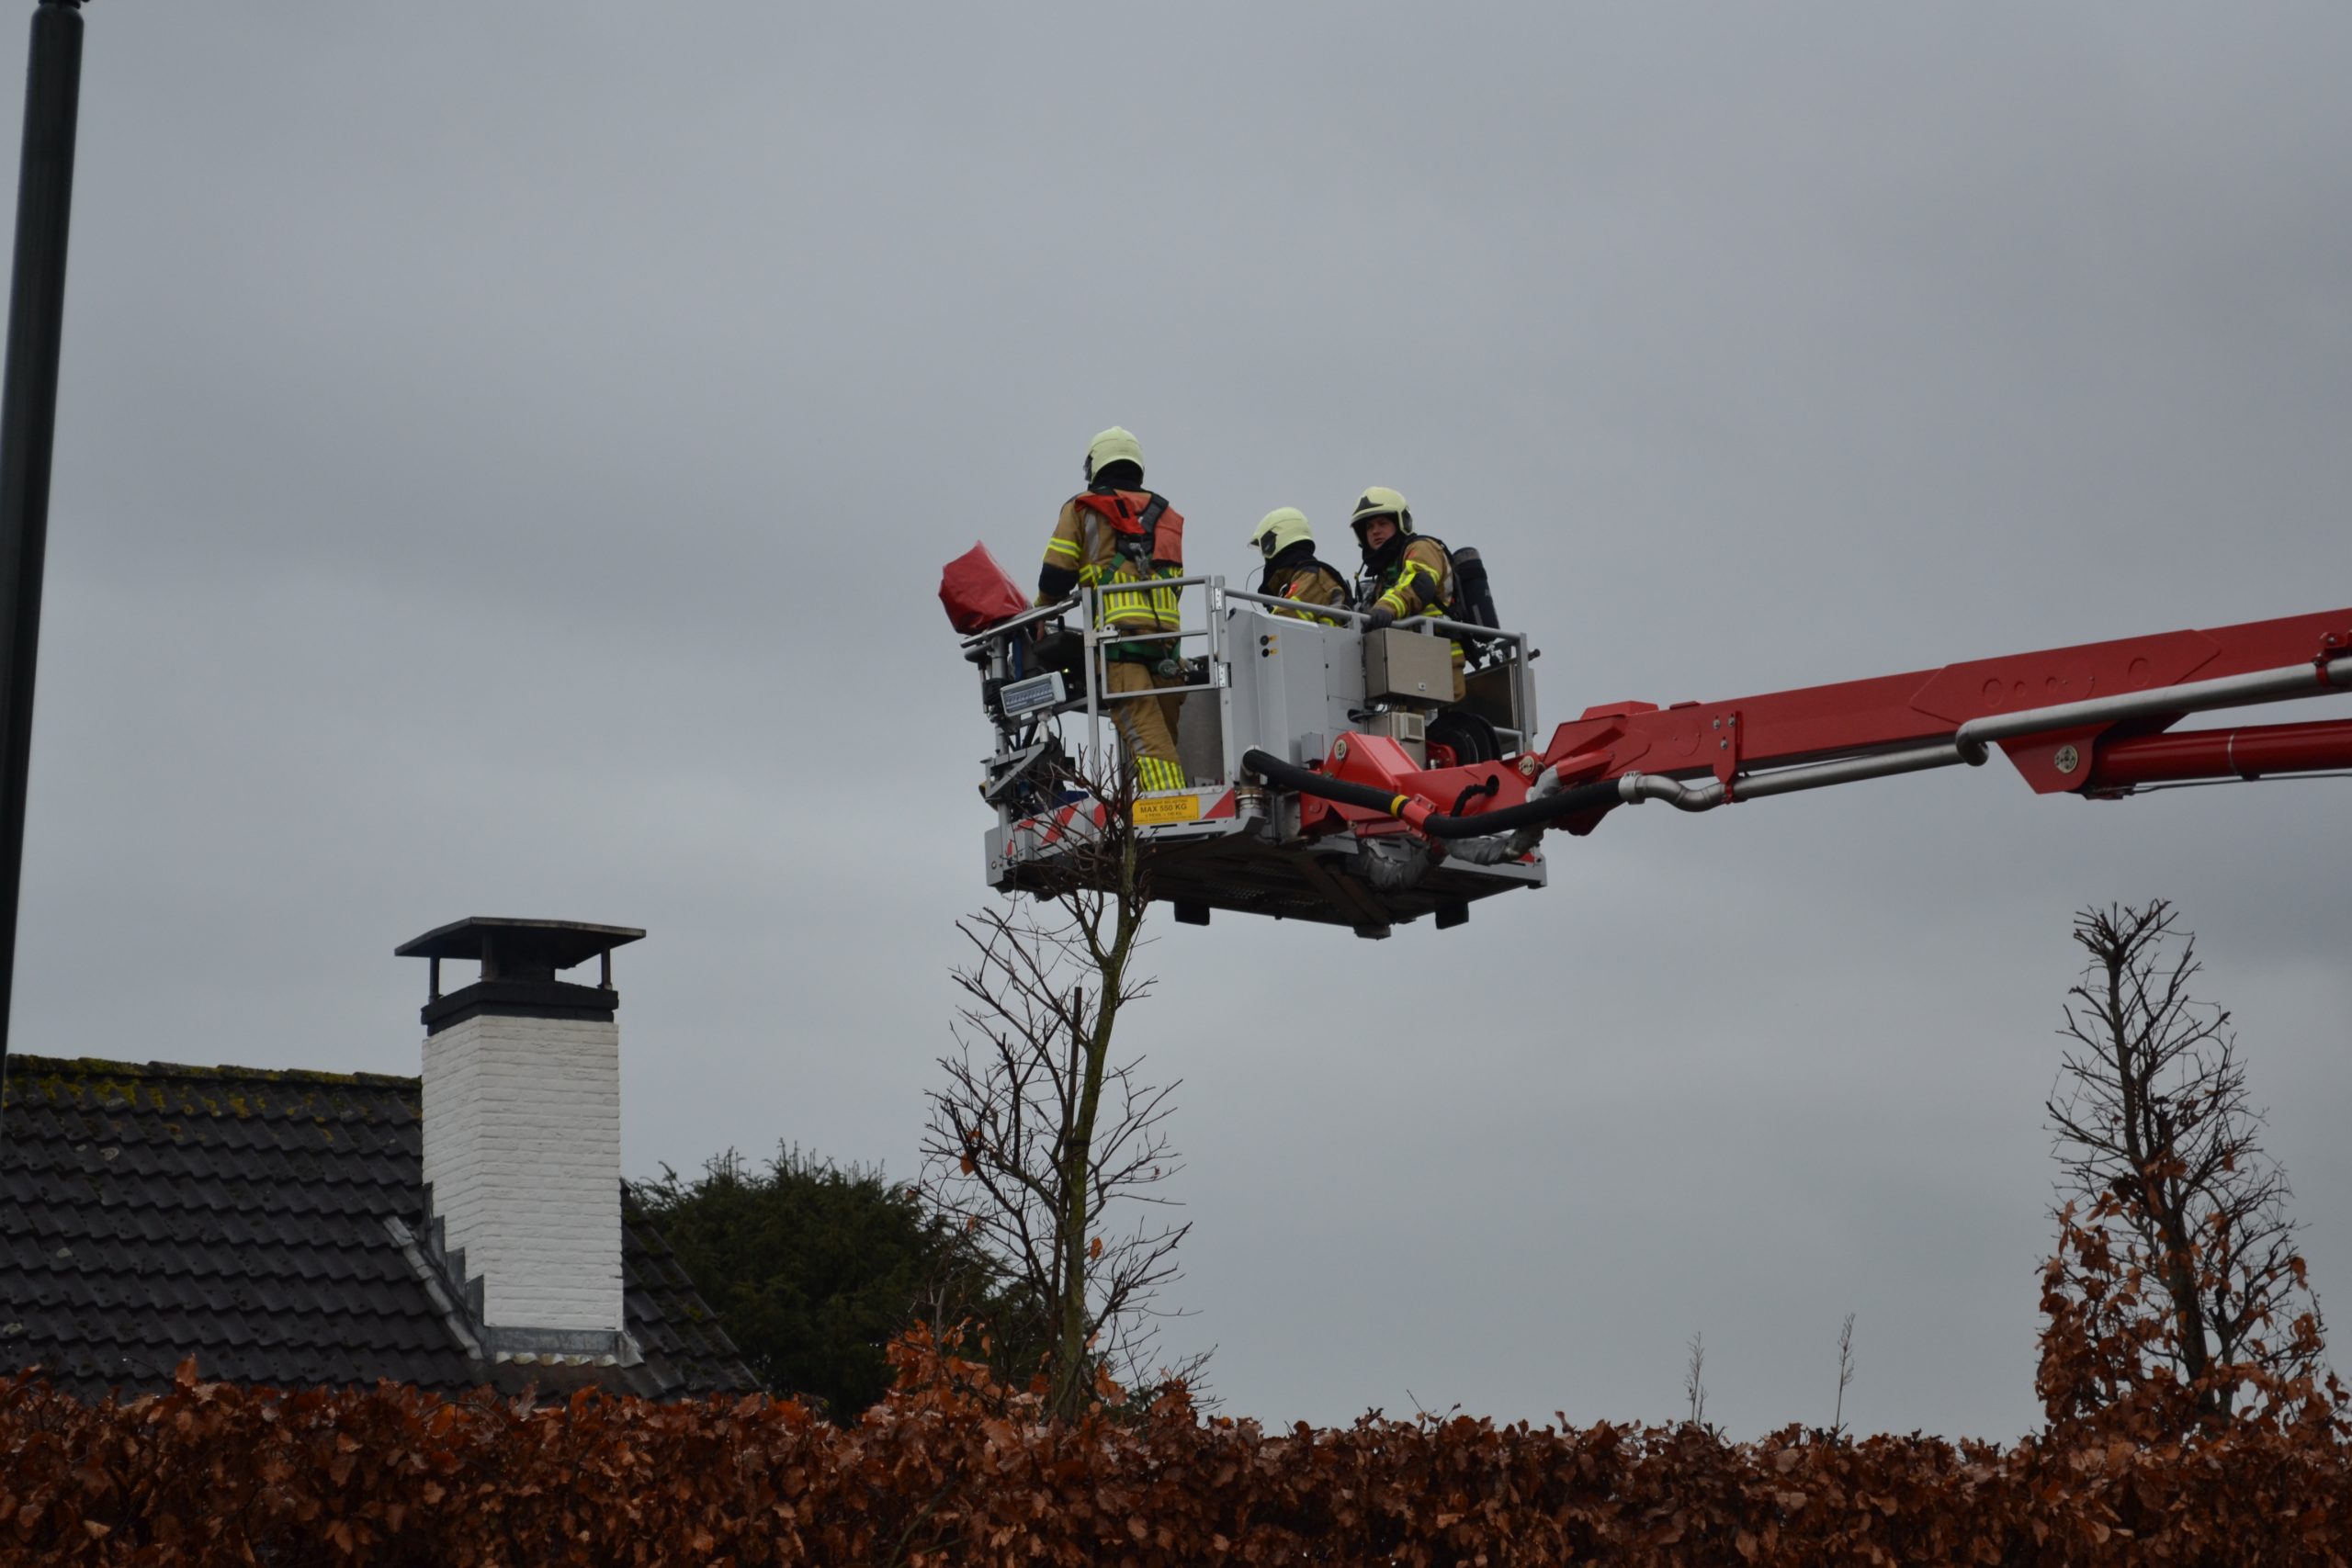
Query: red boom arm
(1928, 705)
(2082, 720)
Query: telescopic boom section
(2051, 711)
(2084, 720)
(2252, 751)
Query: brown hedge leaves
(955, 1468)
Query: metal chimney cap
(549, 944)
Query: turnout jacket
(1416, 579)
(1296, 573)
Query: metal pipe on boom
(28, 425)
(1975, 737)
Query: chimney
(523, 1133)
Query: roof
(152, 1212)
(561, 943)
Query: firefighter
(1406, 572)
(1116, 532)
(1293, 569)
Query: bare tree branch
(1047, 1149)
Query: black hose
(1493, 785)
(1567, 803)
(1276, 771)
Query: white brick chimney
(523, 1133)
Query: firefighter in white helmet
(1406, 572)
(1112, 533)
(1286, 543)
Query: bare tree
(1041, 1143)
(1694, 1387)
(1845, 1374)
(2160, 1147)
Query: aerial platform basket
(1256, 677)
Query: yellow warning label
(1164, 809)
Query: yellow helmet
(1280, 529)
(1116, 444)
(1379, 500)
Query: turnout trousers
(1147, 725)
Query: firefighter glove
(1381, 616)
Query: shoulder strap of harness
(1304, 570)
(1149, 523)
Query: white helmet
(1116, 444)
(1279, 530)
(1379, 500)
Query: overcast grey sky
(507, 454)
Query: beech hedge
(955, 1468)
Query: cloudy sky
(507, 454)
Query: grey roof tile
(152, 1212)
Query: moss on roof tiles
(78, 1075)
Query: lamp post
(28, 425)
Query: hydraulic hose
(1438, 824)
(1389, 872)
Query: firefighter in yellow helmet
(1406, 572)
(1112, 533)
(1293, 570)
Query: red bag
(977, 593)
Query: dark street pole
(28, 425)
